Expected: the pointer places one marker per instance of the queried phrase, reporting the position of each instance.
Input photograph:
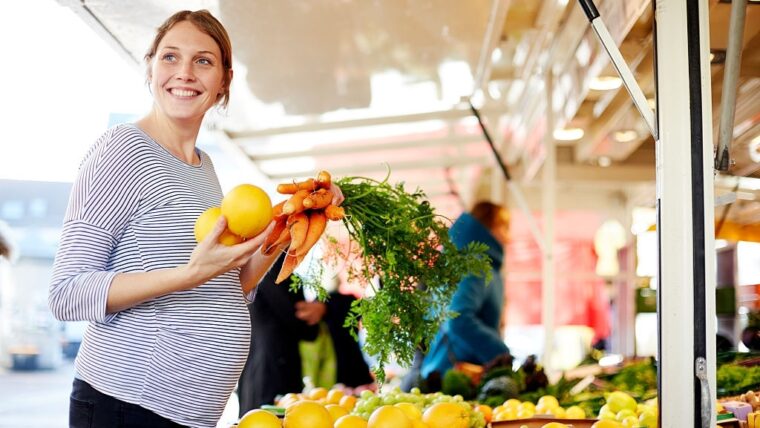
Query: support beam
(685, 228)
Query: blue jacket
(474, 335)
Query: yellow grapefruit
(307, 414)
(205, 223)
(350, 421)
(248, 210)
(259, 419)
(336, 411)
(446, 415)
(412, 412)
(388, 417)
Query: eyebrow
(200, 52)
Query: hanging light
(605, 83)
(568, 134)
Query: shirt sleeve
(103, 198)
(483, 340)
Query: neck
(175, 136)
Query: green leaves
(404, 245)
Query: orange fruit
(334, 396)
(316, 393)
(419, 424)
(248, 210)
(388, 417)
(259, 419)
(348, 401)
(307, 414)
(446, 415)
(606, 423)
(336, 411)
(205, 223)
(350, 421)
(486, 411)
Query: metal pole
(548, 197)
(730, 76)
(639, 100)
(685, 224)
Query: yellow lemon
(259, 419)
(205, 223)
(606, 423)
(554, 425)
(317, 393)
(307, 414)
(334, 396)
(350, 421)
(575, 412)
(412, 412)
(619, 400)
(248, 210)
(348, 401)
(388, 417)
(336, 411)
(446, 415)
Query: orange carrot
(298, 224)
(291, 188)
(318, 200)
(295, 203)
(279, 226)
(277, 209)
(323, 180)
(317, 224)
(288, 266)
(334, 212)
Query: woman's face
(186, 74)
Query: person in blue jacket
(474, 336)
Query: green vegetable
(455, 382)
(401, 243)
(503, 388)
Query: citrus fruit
(412, 412)
(546, 404)
(350, 421)
(348, 401)
(307, 414)
(316, 393)
(248, 210)
(334, 396)
(446, 415)
(336, 411)
(388, 417)
(554, 425)
(259, 419)
(486, 411)
(419, 424)
(205, 223)
(575, 412)
(618, 400)
(606, 423)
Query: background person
(475, 335)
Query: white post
(685, 226)
(548, 199)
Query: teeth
(183, 93)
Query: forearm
(130, 289)
(252, 272)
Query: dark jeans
(89, 408)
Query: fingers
(216, 232)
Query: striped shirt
(132, 209)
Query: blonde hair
(205, 22)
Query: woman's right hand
(210, 258)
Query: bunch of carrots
(301, 219)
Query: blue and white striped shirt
(132, 209)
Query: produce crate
(538, 422)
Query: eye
(169, 57)
(204, 61)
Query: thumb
(216, 232)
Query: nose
(185, 71)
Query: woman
(169, 329)
(475, 334)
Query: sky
(60, 83)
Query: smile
(183, 93)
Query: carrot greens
(400, 250)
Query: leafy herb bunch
(403, 246)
